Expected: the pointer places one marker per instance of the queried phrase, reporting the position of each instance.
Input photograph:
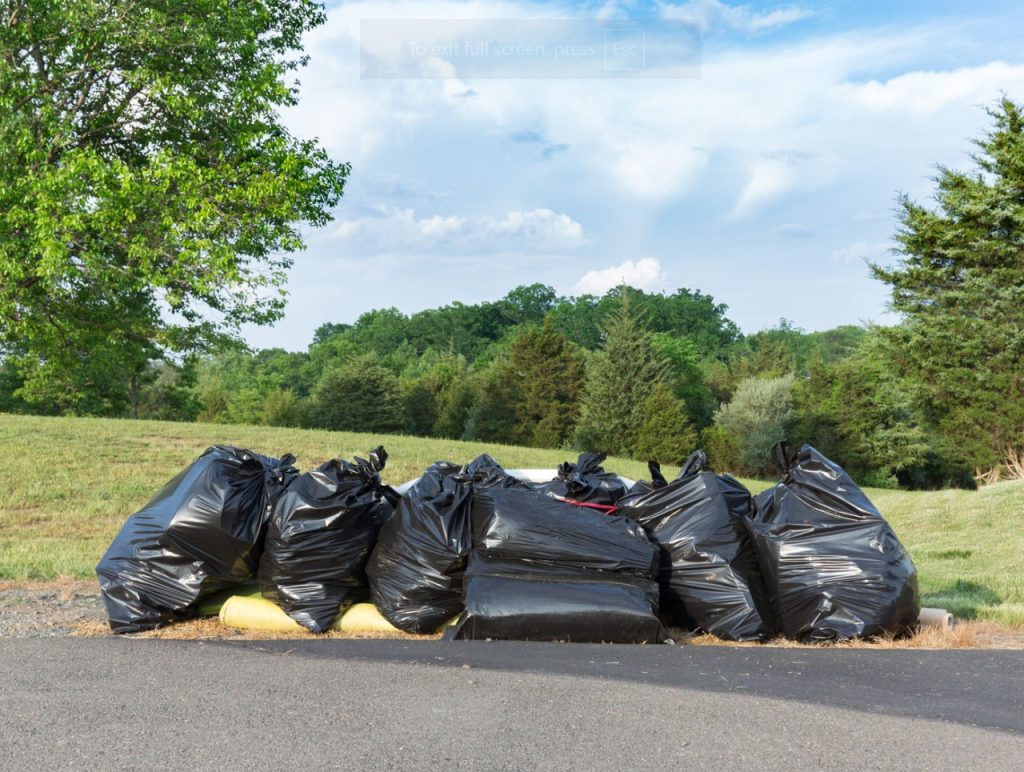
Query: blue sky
(766, 181)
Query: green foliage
(536, 389)
(361, 396)
(861, 413)
(721, 448)
(436, 393)
(282, 408)
(759, 415)
(665, 435)
(960, 288)
(144, 168)
(167, 393)
(686, 376)
(686, 312)
(620, 380)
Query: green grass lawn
(71, 482)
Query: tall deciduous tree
(960, 287)
(149, 193)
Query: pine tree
(546, 375)
(620, 380)
(960, 287)
(531, 397)
(666, 434)
(360, 396)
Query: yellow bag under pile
(261, 614)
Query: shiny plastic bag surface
(533, 601)
(415, 570)
(709, 576)
(586, 480)
(320, 536)
(544, 569)
(833, 564)
(202, 533)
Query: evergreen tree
(491, 417)
(620, 380)
(960, 287)
(862, 414)
(666, 435)
(361, 396)
(545, 377)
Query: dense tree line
(647, 375)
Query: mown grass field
(71, 482)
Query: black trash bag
(202, 533)
(586, 481)
(533, 601)
(320, 536)
(520, 524)
(832, 563)
(709, 577)
(415, 570)
(484, 472)
(544, 569)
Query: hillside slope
(71, 482)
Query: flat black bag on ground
(586, 481)
(709, 577)
(833, 564)
(203, 532)
(415, 570)
(537, 601)
(320, 536)
(543, 569)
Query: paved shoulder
(976, 687)
(131, 703)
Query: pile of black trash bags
(481, 554)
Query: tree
(529, 304)
(863, 414)
(362, 396)
(686, 376)
(149, 193)
(665, 435)
(759, 415)
(960, 287)
(543, 379)
(620, 379)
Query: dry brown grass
(966, 635)
(212, 629)
(963, 635)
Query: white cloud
(541, 229)
(644, 274)
(926, 92)
(768, 179)
(710, 14)
(653, 140)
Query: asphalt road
(122, 703)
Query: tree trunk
(133, 390)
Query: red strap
(608, 509)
